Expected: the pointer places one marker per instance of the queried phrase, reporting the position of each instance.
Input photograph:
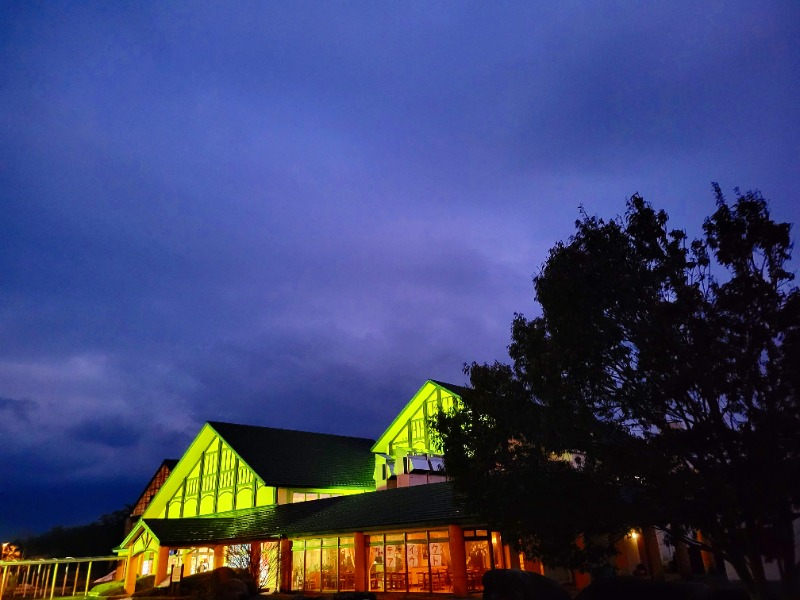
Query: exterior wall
(409, 435)
(218, 482)
(411, 479)
(209, 479)
(771, 570)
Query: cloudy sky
(293, 213)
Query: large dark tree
(670, 368)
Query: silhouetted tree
(94, 539)
(670, 368)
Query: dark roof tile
(419, 506)
(287, 458)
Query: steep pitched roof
(429, 505)
(288, 458)
(417, 401)
(458, 390)
(152, 487)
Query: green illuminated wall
(410, 432)
(210, 478)
(218, 482)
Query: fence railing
(49, 577)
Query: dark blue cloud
(17, 409)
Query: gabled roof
(288, 458)
(429, 505)
(429, 387)
(458, 390)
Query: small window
(437, 463)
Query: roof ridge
(303, 431)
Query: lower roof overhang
(424, 506)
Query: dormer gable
(209, 478)
(408, 445)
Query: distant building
(149, 492)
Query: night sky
(293, 214)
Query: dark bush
(504, 584)
(632, 588)
(354, 596)
(220, 584)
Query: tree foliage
(94, 539)
(670, 368)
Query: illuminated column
(3, 580)
(219, 556)
(186, 562)
(581, 579)
(119, 572)
(620, 559)
(458, 558)
(162, 561)
(131, 571)
(286, 565)
(709, 563)
(255, 562)
(512, 558)
(360, 552)
(682, 559)
(650, 554)
(534, 566)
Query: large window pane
(376, 566)
(330, 568)
(313, 579)
(347, 569)
(396, 562)
(419, 579)
(441, 567)
(298, 566)
(478, 562)
(497, 547)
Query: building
(319, 512)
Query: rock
(510, 584)
(634, 588)
(223, 583)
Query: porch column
(360, 559)
(682, 559)
(650, 554)
(219, 556)
(709, 563)
(255, 561)
(131, 571)
(533, 566)
(119, 572)
(162, 560)
(458, 557)
(581, 579)
(620, 560)
(512, 558)
(286, 565)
